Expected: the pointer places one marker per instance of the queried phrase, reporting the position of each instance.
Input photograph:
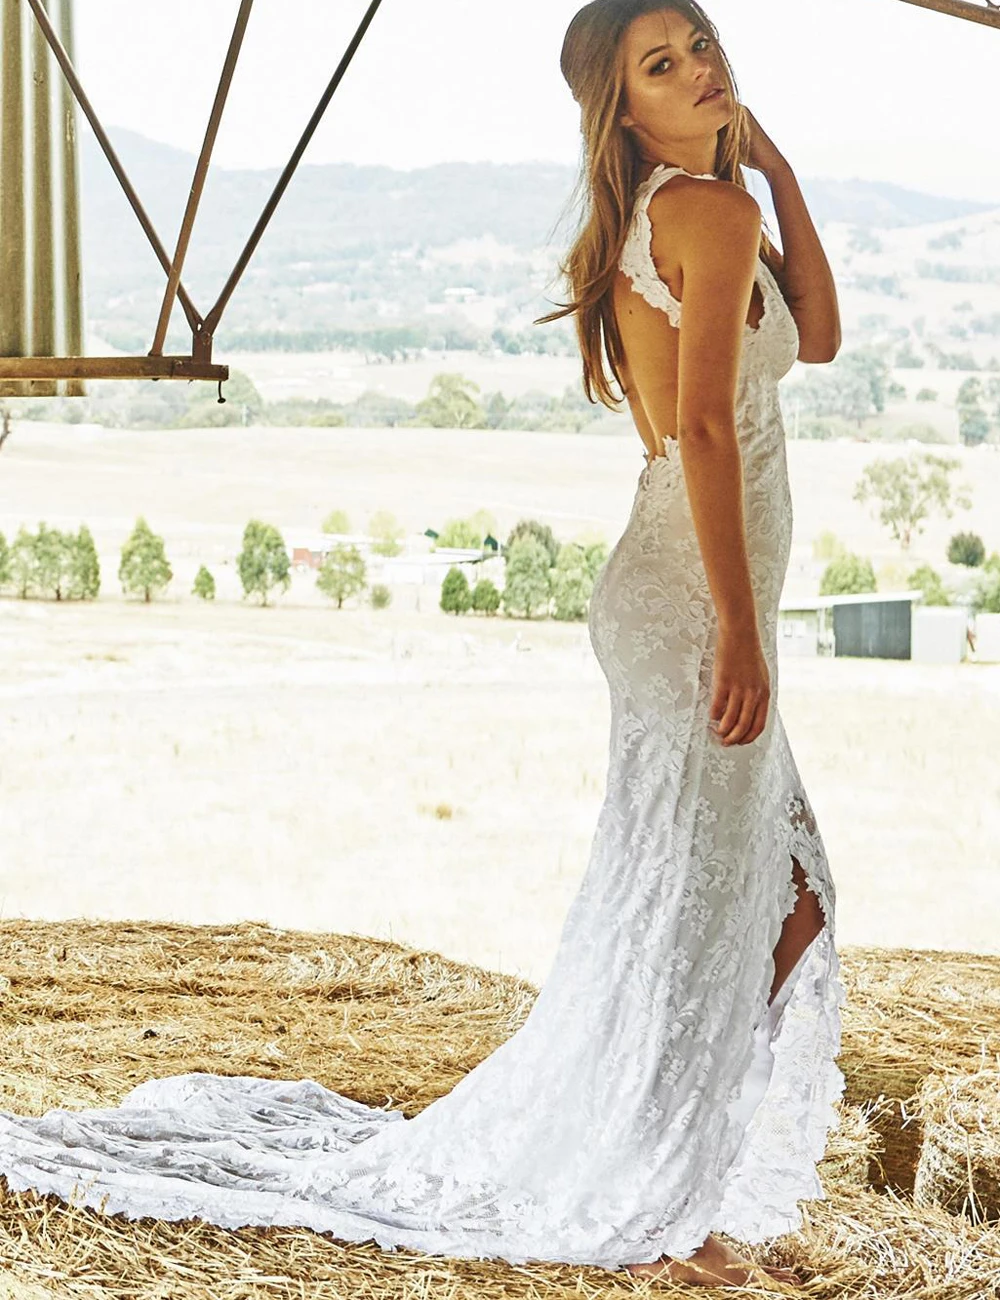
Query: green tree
(456, 598)
(263, 562)
(856, 385)
(6, 568)
(986, 594)
(387, 532)
(243, 405)
(84, 566)
(53, 560)
(596, 554)
(527, 586)
(993, 393)
(968, 549)
(337, 521)
(870, 365)
(485, 597)
(571, 583)
(907, 358)
(847, 574)
(144, 567)
(907, 489)
(540, 532)
(973, 421)
(928, 580)
(23, 563)
(495, 408)
(204, 585)
(380, 596)
(375, 410)
(927, 395)
(343, 573)
(461, 534)
(452, 403)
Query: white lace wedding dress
(652, 1096)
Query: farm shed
(874, 625)
(868, 625)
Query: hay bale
(959, 1166)
(851, 1147)
(93, 1008)
(88, 1010)
(909, 1014)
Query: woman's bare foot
(713, 1264)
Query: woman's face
(671, 71)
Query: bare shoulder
(691, 212)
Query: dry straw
(90, 1010)
(959, 1165)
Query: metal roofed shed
(874, 625)
(869, 625)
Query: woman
(676, 1075)
(692, 588)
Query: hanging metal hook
(221, 398)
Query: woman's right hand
(741, 687)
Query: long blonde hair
(609, 175)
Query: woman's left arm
(804, 274)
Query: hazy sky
(877, 89)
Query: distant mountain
(877, 203)
(355, 249)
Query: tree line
(859, 385)
(827, 402)
(452, 402)
(543, 576)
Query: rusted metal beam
(13, 217)
(43, 242)
(72, 340)
(974, 13)
(199, 365)
(200, 175)
(69, 72)
(109, 368)
(213, 317)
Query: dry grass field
(406, 775)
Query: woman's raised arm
(804, 273)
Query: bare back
(651, 342)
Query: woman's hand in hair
(801, 269)
(764, 153)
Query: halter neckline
(700, 176)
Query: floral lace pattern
(652, 1095)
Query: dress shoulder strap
(637, 257)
